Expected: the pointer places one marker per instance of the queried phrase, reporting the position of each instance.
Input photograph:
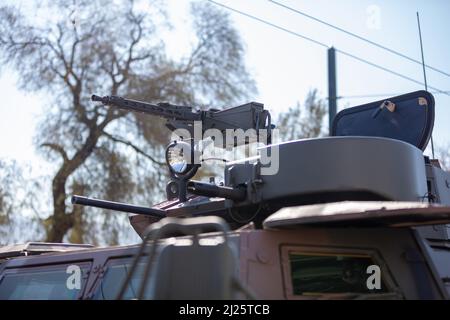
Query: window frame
(111, 261)
(287, 250)
(60, 265)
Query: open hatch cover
(409, 118)
(360, 213)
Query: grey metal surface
(390, 169)
(357, 213)
(437, 255)
(439, 192)
(442, 185)
(194, 271)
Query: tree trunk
(61, 222)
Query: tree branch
(57, 148)
(137, 149)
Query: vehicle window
(313, 274)
(114, 277)
(43, 283)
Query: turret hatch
(409, 118)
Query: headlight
(179, 157)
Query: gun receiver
(248, 116)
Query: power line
(348, 54)
(357, 36)
(388, 70)
(362, 96)
(270, 24)
(376, 95)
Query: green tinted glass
(315, 274)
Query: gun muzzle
(104, 100)
(211, 190)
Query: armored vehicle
(361, 214)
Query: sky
(286, 67)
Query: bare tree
(9, 176)
(15, 198)
(303, 122)
(119, 51)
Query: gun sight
(104, 100)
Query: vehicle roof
(33, 248)
(41, 252)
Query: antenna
(424, 72)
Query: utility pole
(332, 95)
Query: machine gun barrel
(118, 206)
(244, 117)
(166, 110)
(211, 190)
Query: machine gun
(248, 116)
(181, 155)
